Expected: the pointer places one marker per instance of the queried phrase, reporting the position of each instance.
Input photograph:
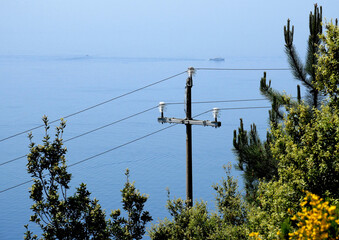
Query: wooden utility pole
(189, 174)
(188, 121)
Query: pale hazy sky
(154, 28)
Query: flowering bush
(317, 219)
(254, 235)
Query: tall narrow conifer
(253, 155)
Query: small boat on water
(218, 59)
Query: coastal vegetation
(291, 178)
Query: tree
(254, 156)
(58, 215)
(306, 74)
(77, 216)
(187, 223)
(306, 146)
(133, 203)
(327, 75)
(316, 220)
(229, 200)
(197, 222)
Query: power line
(12, 160)
(96, 105)
(221, 101)
(117, 147)
(96, 155)
(15, 186)
(139, 89)
(242, 108)
(245, 69)
(173, 103)
(110, 124)
(85, 133)
(127, 143)
(225, 101)
(133, 115)
(235, 108)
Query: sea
(110, 104)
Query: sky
(153, 28)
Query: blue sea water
(57, 86)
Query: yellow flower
(317, 221)
(255, 235)
(331, 209)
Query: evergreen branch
(313, 43)
(312, 49)
(293, 58)
(276, 98)
(297, 66)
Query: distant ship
(218, 59)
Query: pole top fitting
(162, 106)
(215, 112)
(191, 71)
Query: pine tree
(254, 156)
(306, 145)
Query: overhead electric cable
(221, 101)
(133, 115)
(85, 133)
(13, 160)
(96, 155)
(122, 145)
(170, 103)
(235, 108)
(127, 143)
(245, 69)
(110, 124)
(15, 186)
(96, 105)
(173, 103)
(225, 101)
(241, 108)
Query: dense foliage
(306, 145)
(301, 154)
(327, 75)
(316, 220)
(197, 223)
(132, 227)
(254, 156)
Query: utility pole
(188, 121)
